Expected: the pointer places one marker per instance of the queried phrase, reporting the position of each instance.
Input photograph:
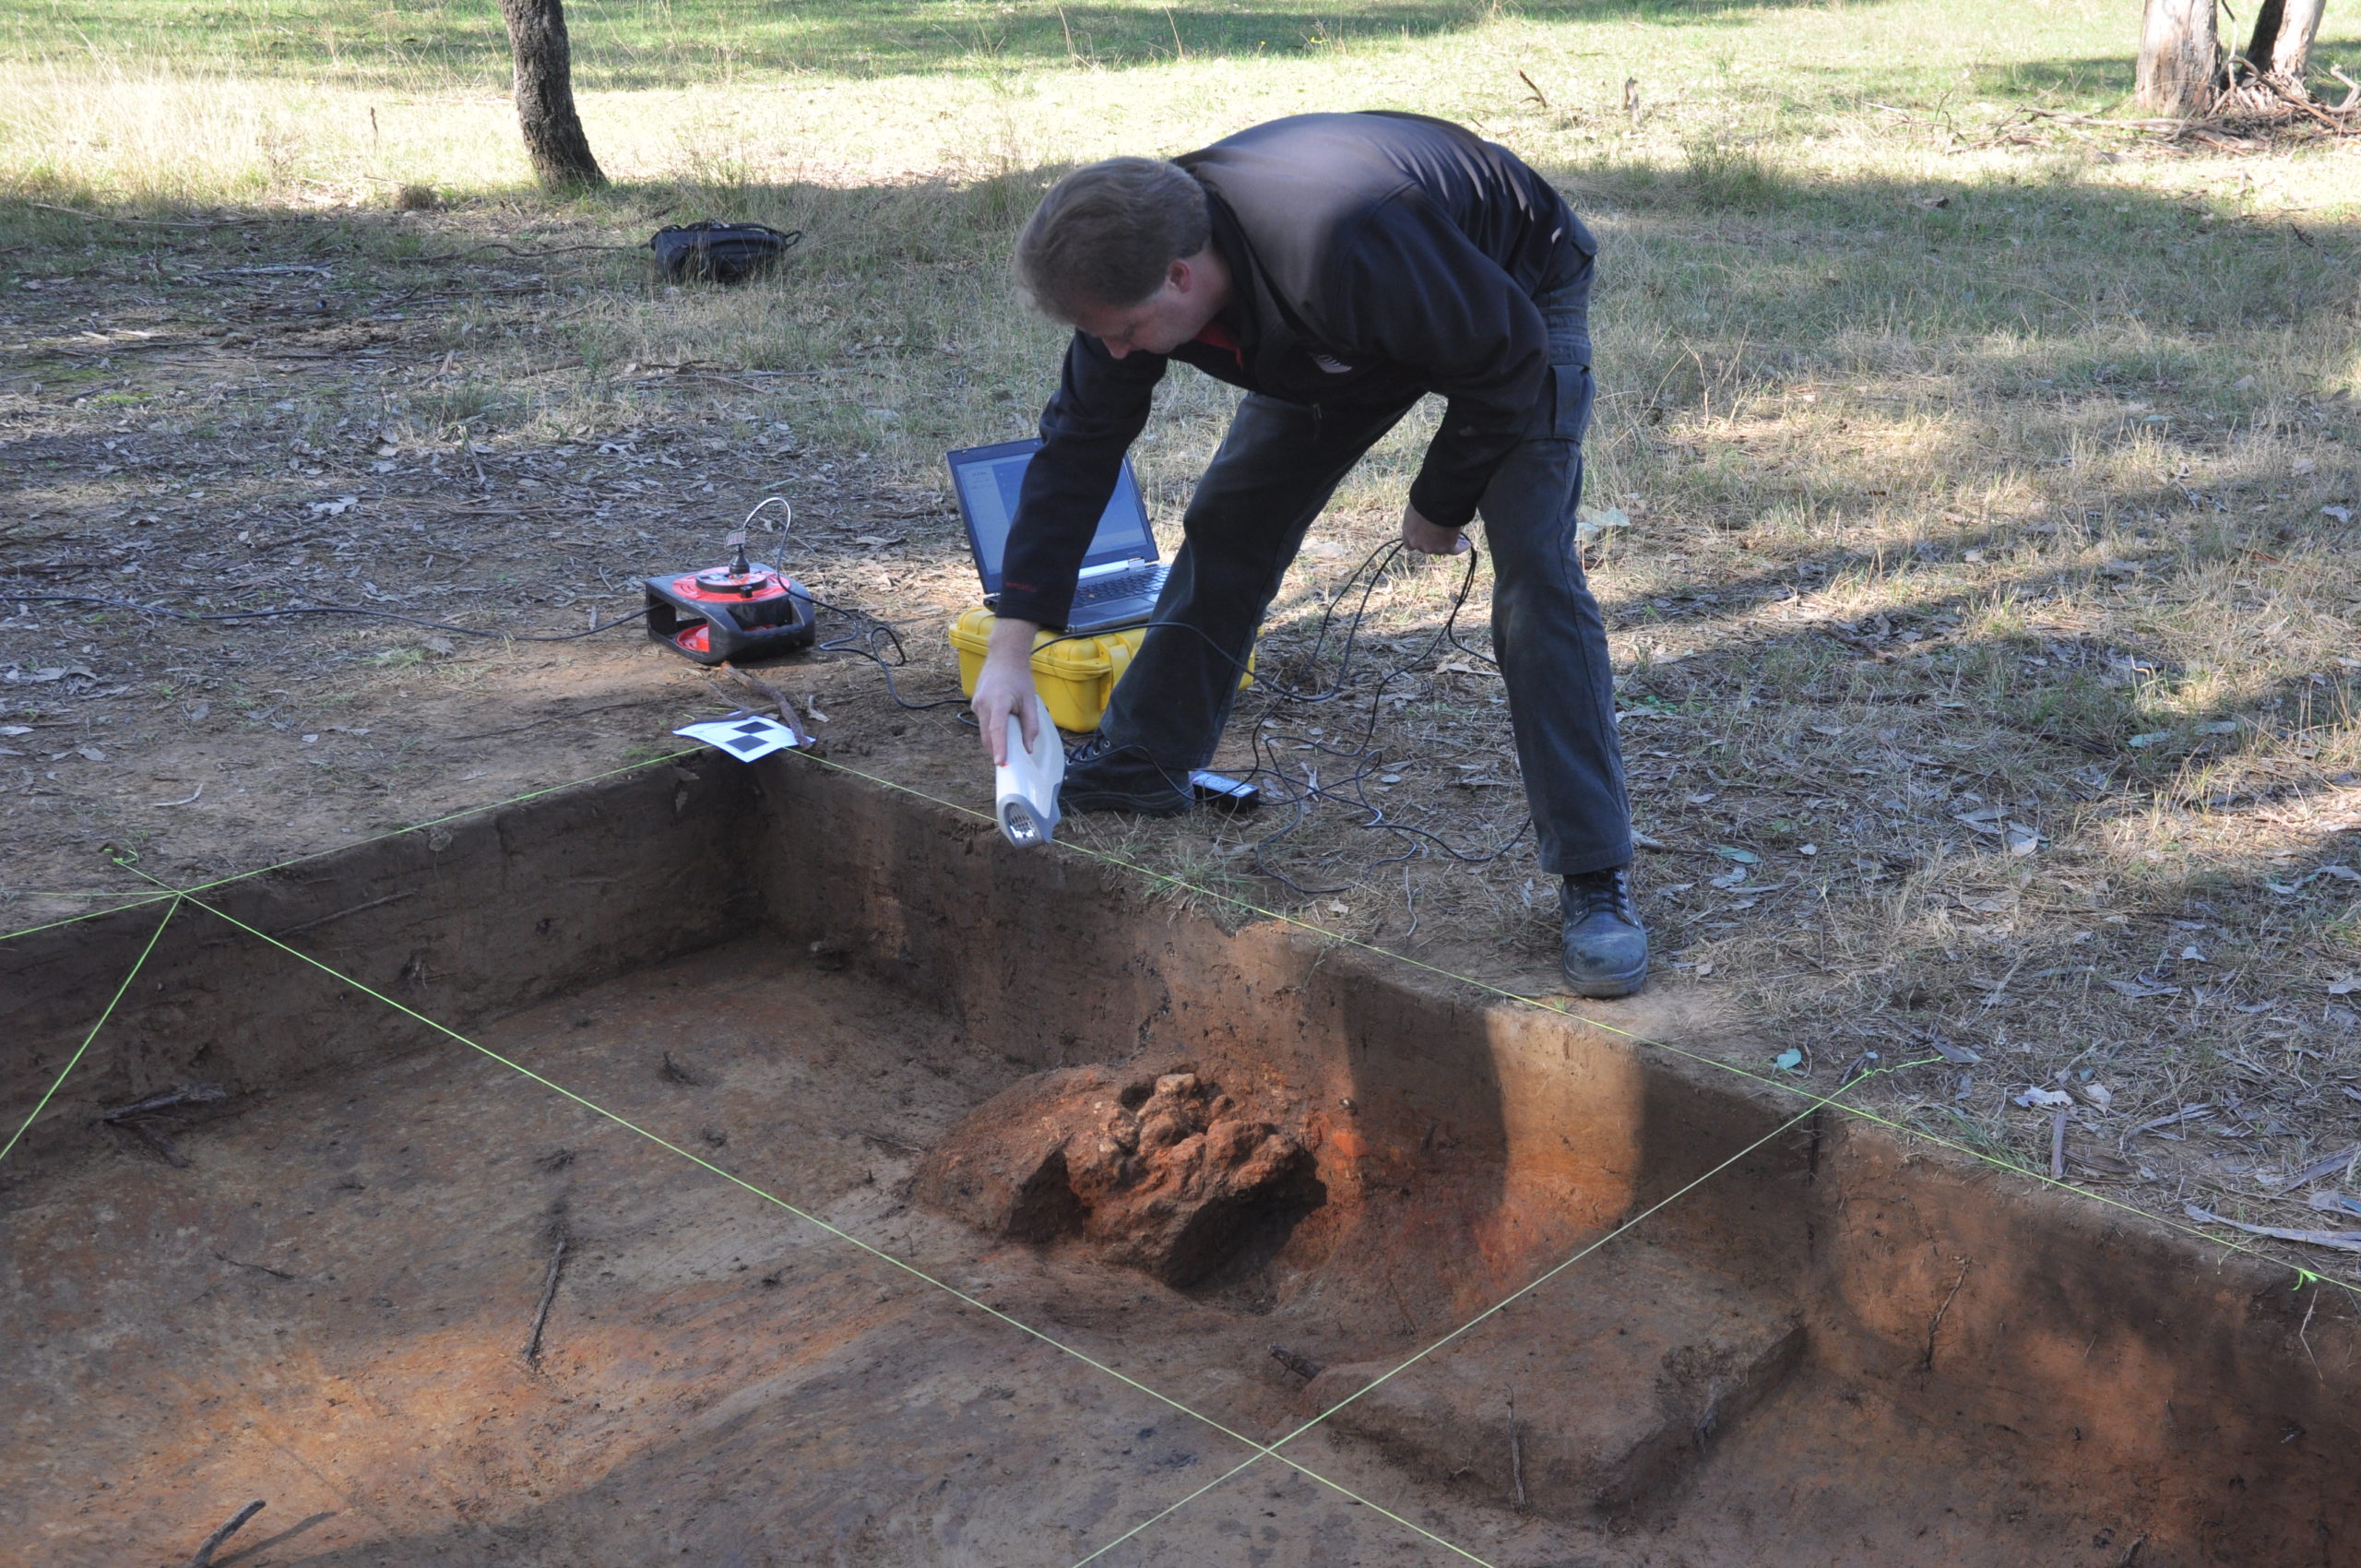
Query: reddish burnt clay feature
(1159, 1172)
(1167, 1146)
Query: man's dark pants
(1275, 472)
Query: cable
(862, 641)
(1287, 790)
(167, 610)
(1362, 750)
(785, 524)
(1380, 558)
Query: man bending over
(1338, 268)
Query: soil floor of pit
(327, 1309)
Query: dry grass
(1986, 627)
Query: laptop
(1121, 573)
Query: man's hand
(1005, 686)
(1427, 538)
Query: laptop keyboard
(1126, 584)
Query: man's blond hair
(1106, 234)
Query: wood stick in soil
(779, 700)
(213, 1542)
(549, 1295)
(1935, 1323)
(1516, 1456)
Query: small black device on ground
(1224, 793)
(745, 610)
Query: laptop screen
(989, 479)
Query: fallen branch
(2343, 1240)
(151, 223)
(2305, 105)
(257, 1268)
(1302, 1366)
(1516, 1456)
(133, 1117)
(158, 1145)
(512, 250)
(170, 1099)
(2220, 142)
(2075, 118)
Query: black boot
(1605, 948)
(1100, 777)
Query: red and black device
(742, 612)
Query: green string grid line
(2303, 1275)
(59, 1081)
(321, 854)
(135, 901)
(813, 1219)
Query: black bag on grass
(720, 252)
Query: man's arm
(1100, 406)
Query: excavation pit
(799, 1175)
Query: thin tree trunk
(2282, 46)
(2267, 18)
(2180, 57)
(554, 138)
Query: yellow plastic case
(1075, 677)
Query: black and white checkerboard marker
(745, 737)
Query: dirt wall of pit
(464, 922)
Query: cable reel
(744, 611)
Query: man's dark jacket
(1373, 257)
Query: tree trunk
(2282, 46)
(2180, 58)
(554, 138)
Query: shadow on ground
(627, 45)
